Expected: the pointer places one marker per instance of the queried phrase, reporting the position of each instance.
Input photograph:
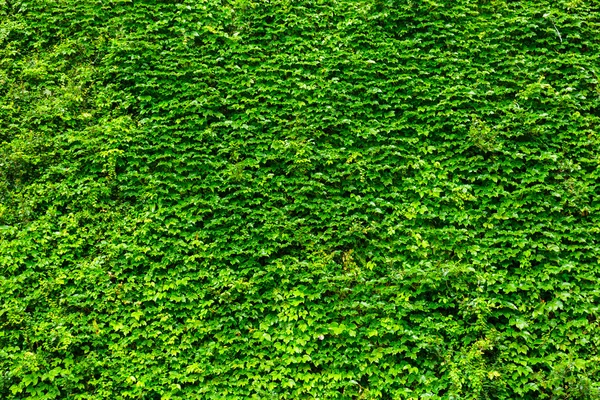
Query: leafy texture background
(299, 199)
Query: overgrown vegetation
(329, 199)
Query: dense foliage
(285, 199)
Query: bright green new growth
(299, 199)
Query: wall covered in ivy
(299, 199)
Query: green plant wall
(299, 199)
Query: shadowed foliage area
(289, 199)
